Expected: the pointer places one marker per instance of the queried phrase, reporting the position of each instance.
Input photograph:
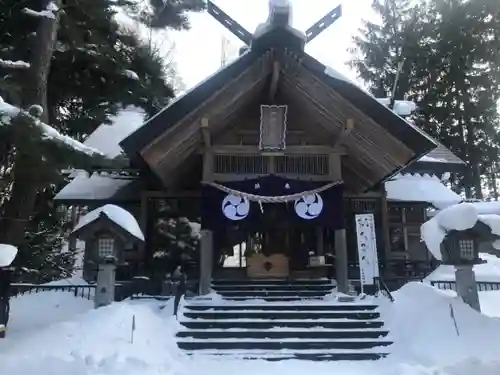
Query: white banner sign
(367, 248)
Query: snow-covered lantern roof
(453, 235)
(108, 230)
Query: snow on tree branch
(130, 74)
(14, 64)
(8, 112)
(48, 12)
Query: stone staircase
(279, 319)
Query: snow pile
(7, 254)
(39, 310)
(490, 303)
(118, 215)
(458, 217)
(485, 272)
(423, 328)
(98, 342)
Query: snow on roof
(7, 254)
(485, 272)
(401, 107)
(8, 111)
(118, 215)
(107, 137)
(459, 217)
(420, 188)
(96, 187)
(430, 159)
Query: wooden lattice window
(241, 164)
(316, 165)
(404, 230)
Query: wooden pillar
(320, 250)
(206, 261)
(341, 261)
(385, 226)
(143, 223)
(206, 240)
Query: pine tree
(96, 69)
(160, 14)
(177, 241)
(450, 69)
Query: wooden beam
(290, 150)
(205, 131)
(344, 133)
(273, 87)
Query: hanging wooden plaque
(273, 127)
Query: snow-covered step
(308, 355)
(282, 315)
(282, 319)
(273, 293)
(232, 282)
(282, 307)
(271, 344)
(269, 287)
(310, 333)
(272, 298)
(269, 324)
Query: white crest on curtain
(309, 207)
(235, 208)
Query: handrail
(382, 287)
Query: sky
(198, 51)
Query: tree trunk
(26, 178)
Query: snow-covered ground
(54, 333)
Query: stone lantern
(461, 250)
(107, 231)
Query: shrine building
(269, 160)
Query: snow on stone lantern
(453, 236)
(107, 230)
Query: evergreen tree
(450, 51)
(96, 68)
(177, 241)
(161, 14)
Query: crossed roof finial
(280, 15)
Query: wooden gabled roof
(174, 133)
(437, 161)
